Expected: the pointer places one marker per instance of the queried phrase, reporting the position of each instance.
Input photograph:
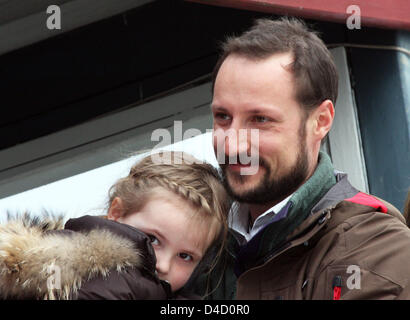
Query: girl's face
(179, 240)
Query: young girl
(161, 220)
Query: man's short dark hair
(313, 67)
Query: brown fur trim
(31, 257)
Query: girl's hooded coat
(88, 258)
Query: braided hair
(194, 181)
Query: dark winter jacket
(91, 258)
(330, 242)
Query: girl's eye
(153, 239)
(185, 256)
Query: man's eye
(221, 116)
(261, 119)
(153, 239)
(185, 256)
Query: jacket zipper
(337, 287)
(287, 245)
(325, 215)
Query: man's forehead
(251, 108)
(255, 75)
(283, 59)
(257, 85)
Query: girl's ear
(116, 209)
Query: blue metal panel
(382, 90)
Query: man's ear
(116, 209)
(323, 119)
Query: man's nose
(236, 142)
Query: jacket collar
(141, 241)
(340, 203)
(32, 250)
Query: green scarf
(302, 202)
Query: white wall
(87, 193)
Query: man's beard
(270, 189)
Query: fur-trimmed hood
(41, 260)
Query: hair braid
(198, 183)
(185, 191)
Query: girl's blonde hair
(180, 173)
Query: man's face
(260, 95)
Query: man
(299, 230)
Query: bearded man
(299, 229)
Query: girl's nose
(163, 265)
